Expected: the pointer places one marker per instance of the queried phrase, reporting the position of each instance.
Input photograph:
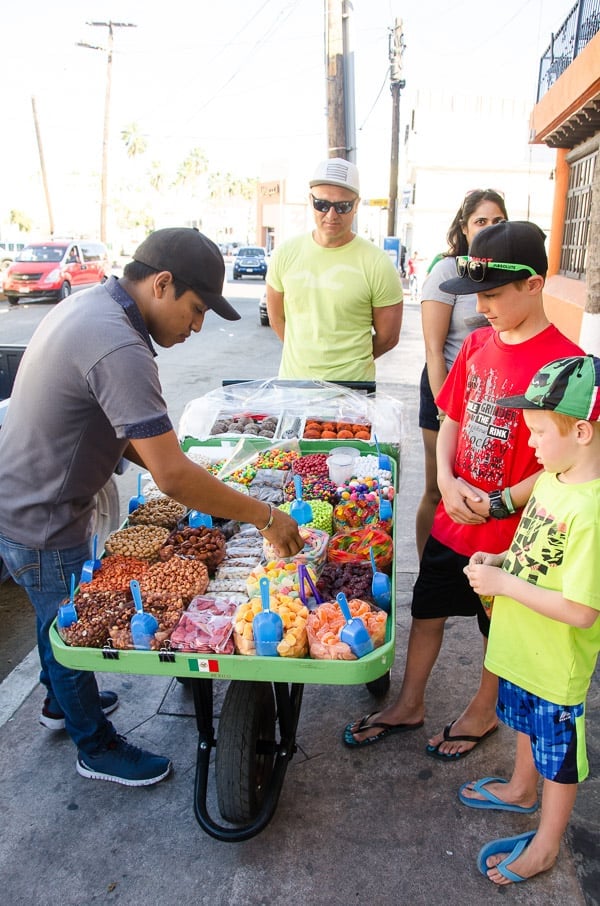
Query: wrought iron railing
(578, 29)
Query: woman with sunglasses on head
(446, 320)
(334, 299)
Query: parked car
(250, 261)
(48, 271)
(262, 311)
(8, 250)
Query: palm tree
(20, 220)
(194, 165)
(135, 142)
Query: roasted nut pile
(142, 541)
(186, 578)
(201, 543)
(115, 573)
(163, 511)
(166, 608)
(98, 614)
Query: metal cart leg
(268, 760)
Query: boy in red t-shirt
(486, 471)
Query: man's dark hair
(136, 272)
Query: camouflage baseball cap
(570, 385)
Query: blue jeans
(46, 577)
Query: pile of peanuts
(115, 573)
(162, 511)
(97, 613)
(186, 578)
(143, 541)
(166, 608)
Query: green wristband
(508, 501)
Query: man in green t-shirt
(333, 298)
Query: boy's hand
(481, 557)
(461, 501)
(484, 579)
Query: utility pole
(110, 25)
(38, 136)
(339, 67)
(397, 83)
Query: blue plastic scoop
(135, 502)
(143, 625)
(267, 626)
(384, 460)
(67, 614)
(300, 510)
(381, 586)
(354, 633)
(385, 509)
(90, 566)
(196, 519)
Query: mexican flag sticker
(203, 665)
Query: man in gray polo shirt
(88, 393)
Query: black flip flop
(386, 730)
(434, 751)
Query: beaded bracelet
(270, 520)
(508, 500)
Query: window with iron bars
(573, 258)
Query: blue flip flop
(514, 846)
(491, 801)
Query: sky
(244, 80)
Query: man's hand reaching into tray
(282, 532)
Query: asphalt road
(242, 349)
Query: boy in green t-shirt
(545, 631)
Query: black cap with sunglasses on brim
(503, 253)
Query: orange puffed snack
(325, 623)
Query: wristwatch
(498, 509)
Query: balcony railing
(578, 29)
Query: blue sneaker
(123, 763)
(56, 720)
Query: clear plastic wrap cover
(278, 397)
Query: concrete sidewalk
(380, 825)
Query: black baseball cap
(192, 258)
(510, 242)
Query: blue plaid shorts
(557, 732)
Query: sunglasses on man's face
(476, 269)
(340, 207)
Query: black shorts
(443, 590)
(427, 408)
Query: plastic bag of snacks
(293, 614)
(325, 623)
(346, 547)
(282, 576)
(206, 626)
(314, 552)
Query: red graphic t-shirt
(493, 450)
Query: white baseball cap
(336, 172)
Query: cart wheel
(245, 750)
(379, 686)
